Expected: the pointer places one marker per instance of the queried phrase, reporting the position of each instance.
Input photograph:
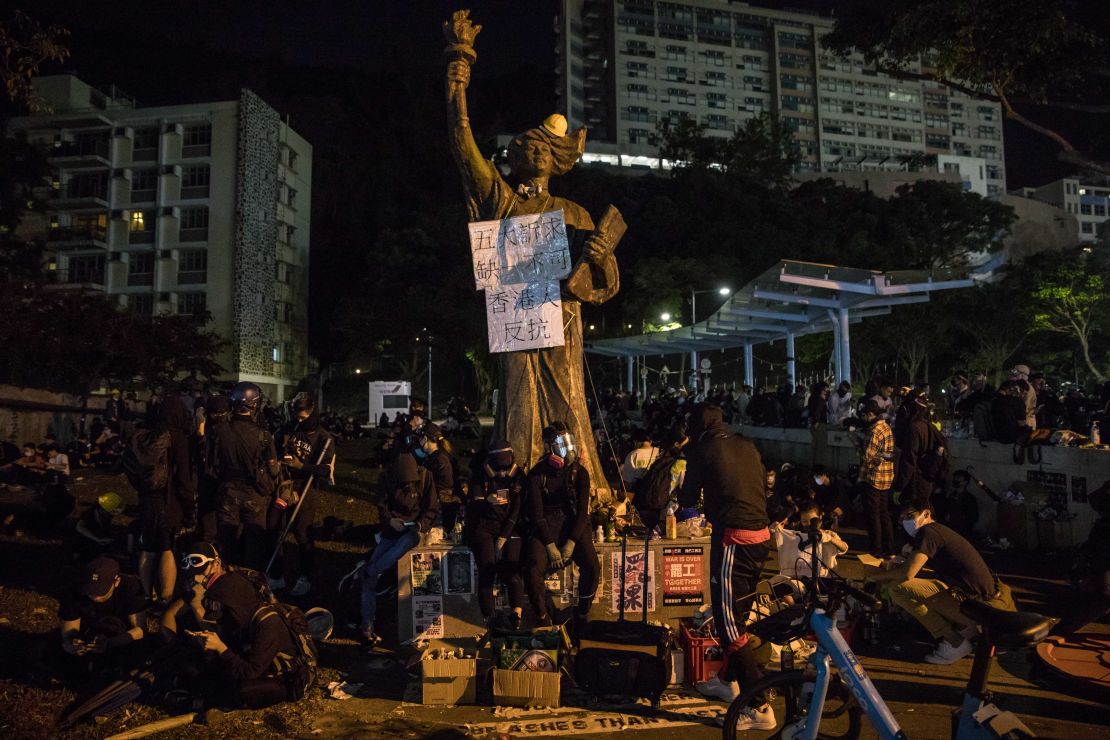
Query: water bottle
(599, 536)
(670, 527)
(1096, 434)
(786, 658)
(872, 627)
(457, 533)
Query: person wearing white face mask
(960, 573)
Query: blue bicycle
(818, 701)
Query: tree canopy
(1027, 55)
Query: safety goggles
(563, 445)
(195, 560)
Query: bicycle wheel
(840, 718)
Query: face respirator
(561, 450)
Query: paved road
(921, 696)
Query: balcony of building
(76, 237)
(84, 278)
(86, 153)
(76, 195)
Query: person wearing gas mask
(434, 453)
(961, 573)
(492, 531)
(248, 470)
(309, 452)
(408, 507)
(558, 506)
(727, 469)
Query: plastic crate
(701, 663)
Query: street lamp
(694, 320)
(664, 317)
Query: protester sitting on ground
(961, 574)
(28, 469)
(257, 660)
(829, 494)
(637, 462)
(94, 531)
(956, 506)
(56, 460)
(101, 619)
(795, 548)
(409, 506)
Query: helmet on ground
(110, 502)
(245, 396)
(320, 623)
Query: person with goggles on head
(492, 527)
(558, 508)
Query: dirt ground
(33, 571)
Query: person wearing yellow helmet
(94, 530)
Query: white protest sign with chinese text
(522, 249)
(528, 316)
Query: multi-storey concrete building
(626, 64)
(1088, 200)
(183, 209)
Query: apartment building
(183, 209)
(1088, 200)
(624, 65)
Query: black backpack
(257, 580)
(299, 670)
(146, 460)
(653, 490)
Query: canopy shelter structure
(791, 300)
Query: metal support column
(631, 372)
(838, 365)
(749, 375)
(845, 348)
(791, 373)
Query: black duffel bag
(622, 657)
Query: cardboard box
(453, 681)
(525, 688)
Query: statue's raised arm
(480, 178)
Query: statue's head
(546, 150)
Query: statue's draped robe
(540, 386)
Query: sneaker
(370, 640)
(753, 718)
(718, 689)
(946, 654)
(301, 587)
(277, 584)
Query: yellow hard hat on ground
(110, 502)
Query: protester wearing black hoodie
(492, 530)
(162, 513)
(309, 452)
(558, 509)
(727, 470)
(256, 656)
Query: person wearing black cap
(248, 469)
(408, 507)
(558, 509)
(918, 442)
(309, 451)
(216, 411)
(256, 658)
(727, 470)
(492, 531)
(434, 452)
(101, 615)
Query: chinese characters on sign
(634, 586)
(683, 576)
(518, 262)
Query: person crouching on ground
(935, 602)
(255, 662)
(409, 507)
(100, 619)
(728, 470)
